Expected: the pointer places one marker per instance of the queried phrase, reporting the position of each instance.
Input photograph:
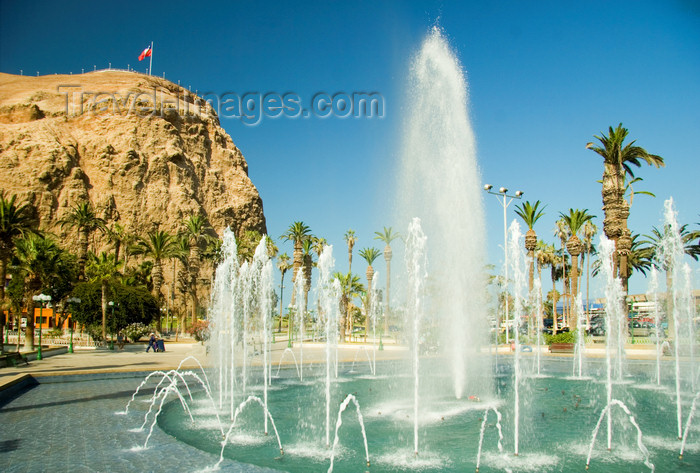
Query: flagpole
(150, 61)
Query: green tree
(103, 268)
(618, 160)
(16, 221)
(387, 235)
(530, 214)
(307, 249)
(196, 229)
(83, 219)
(157, 246)
(297, 233)
(132, 304)
(575, 220)
(350, 239)
(561, 231)
(41, 264)
(654, 244)
(369, 255)
(283, 265)
(350, 287)
(590, 230)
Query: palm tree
(664, 260)
(350, 287)
(589, 232)
(246, 245)
(196, 229)
(561, 230)
(85, 221)
(369, 255)
(182, 275)
(542, 257)
(283, 265)
(16, 221)
(547, 255)
(115, 236)
(307, 249)
(575, 221)
(105, 269)
(387, 236)
(38, 260)
(297, 233)
(618, 162)
(530, 214)
(157, 246)
(350, 239)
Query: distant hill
(62, 142)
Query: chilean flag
(146, 53)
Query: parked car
(597, 326)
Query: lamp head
(502, 190)
(488, 187)
(519, 193)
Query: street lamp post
(111, 342)
(507, 199)
(72, 300)
(42, 299)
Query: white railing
(79, 340)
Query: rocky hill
(143, 150)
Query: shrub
(200, 330)
(135, 331)
(55, 332)
(562, 337)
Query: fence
(79, 340)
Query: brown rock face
(143, 150)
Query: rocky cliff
(143, 150)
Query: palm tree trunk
(387, 258)
(531, 283)
(157, 277)
(554, 301)
(588, 287)
(82, 256)
(279, 325)
(195, 304)
(104, 310)
(3, 275)
(573, 317)
(368, 309)
(296, 266)
(671, 333)
(29, 331)
(343, 316)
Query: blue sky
(543, 78)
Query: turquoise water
(72, 423)
(557, 420)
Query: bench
(12, 359)
(561, 348)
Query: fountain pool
(557, 422)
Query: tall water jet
(441, 184)
(537, 289)
(580, 342)
(327, 293)
(416, 271)
(670, 253)
(652, 295)
(614, 296)
(240, 311)
(516, 263)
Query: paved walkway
(135, 359)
